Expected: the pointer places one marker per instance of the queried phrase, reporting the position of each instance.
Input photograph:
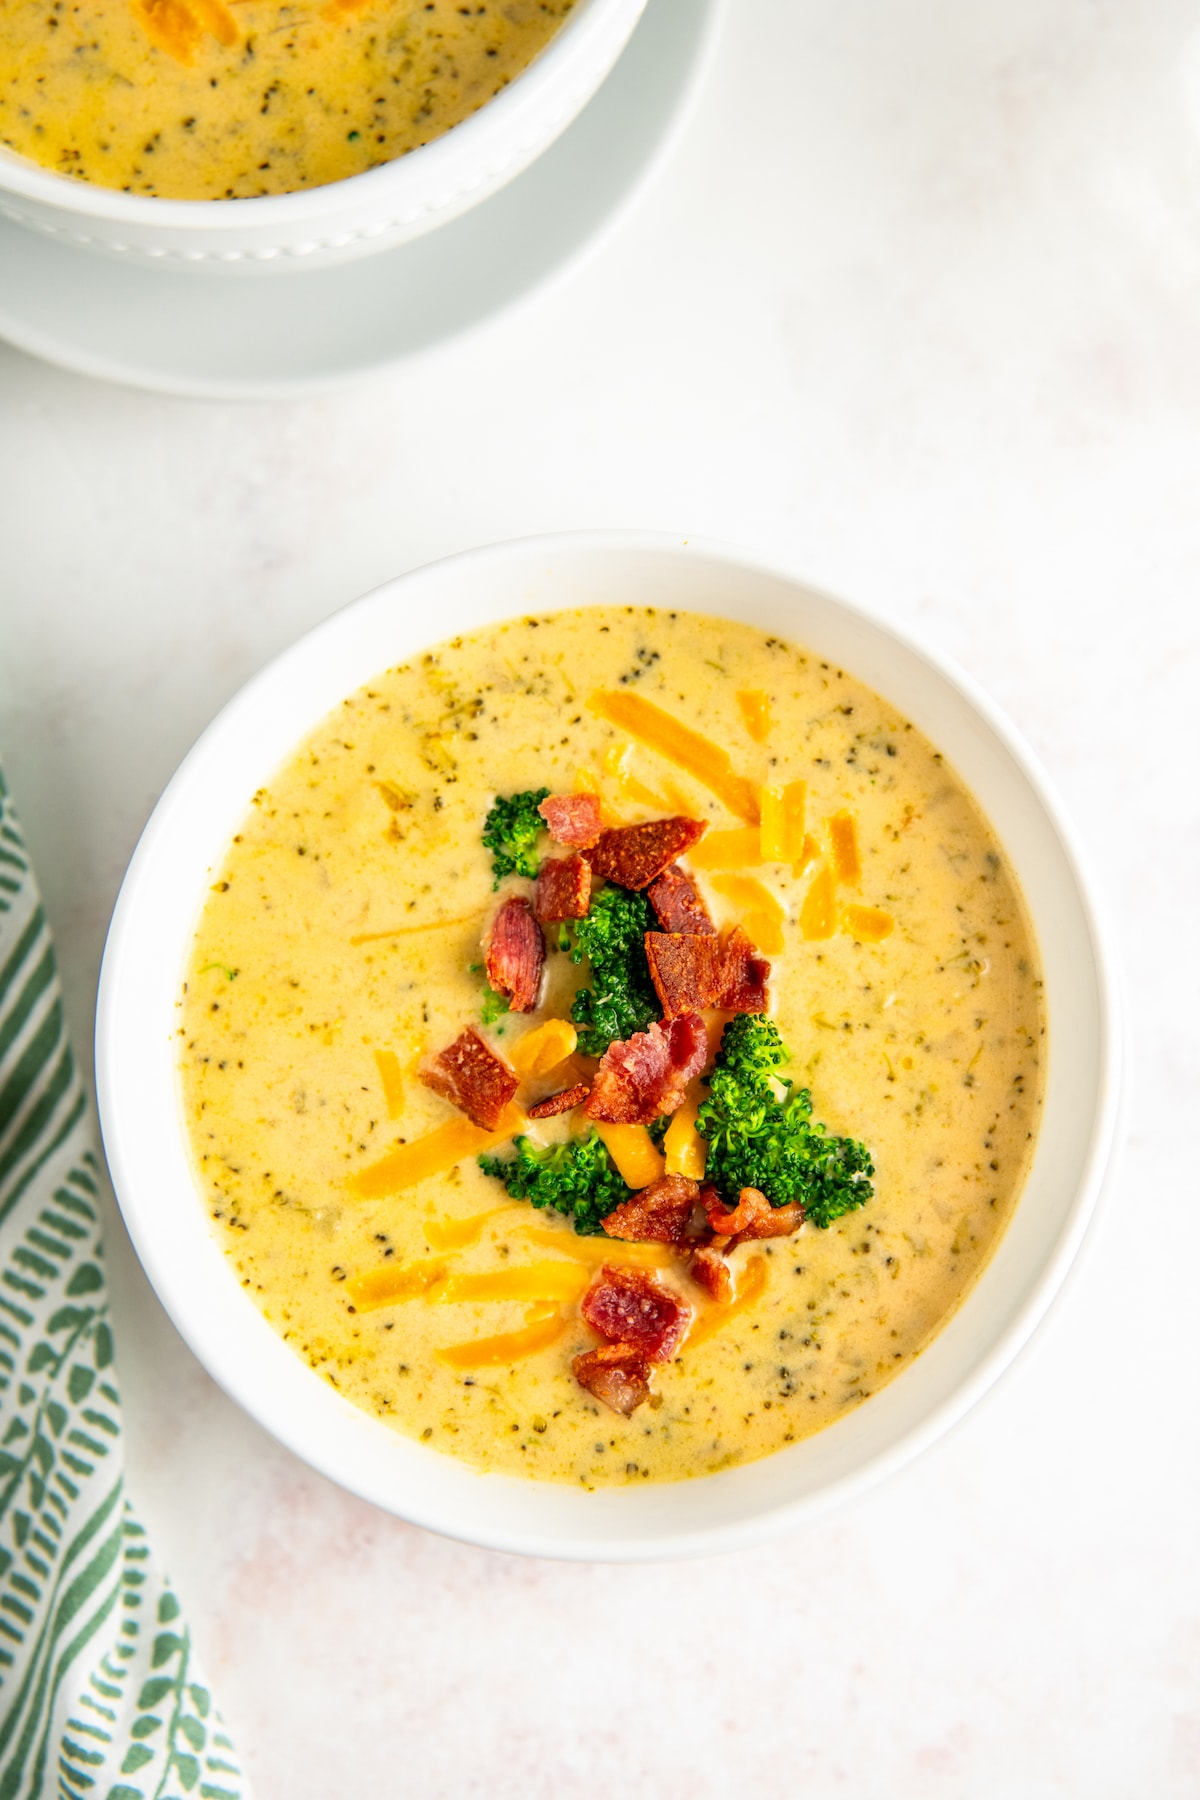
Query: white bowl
(145, 1137)
(344, 219)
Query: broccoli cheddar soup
(611, 1046)
(225, 99)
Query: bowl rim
(400, 181)
(770, 1520)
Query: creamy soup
(223, 99)
(340, 943)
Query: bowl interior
(143, 1128)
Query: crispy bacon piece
(572, 819)
(648, 1074)
(687, 969)
(658, 1214)
(472, 1077)
(677, 904)
(635, 855)
(516, 953)
(564, 888)
(615, 1374)
(710, 1271)
(562, 1102)
(744, 975)
(753, 1217)
(631, 1307)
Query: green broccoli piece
(621, 998)
(576, 1178)
(494, 1006)
(511, 831)
(756, 1138)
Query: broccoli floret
(621, 998)
(576, 1178)
(511, 831)
(758, 1139)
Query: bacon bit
(573, 819)
(564, 888)
(616, 1375)
(516, 954)
(472, 1077)
(687, 970)
(635, 855)
(566, 1101)
(762, 915)
(677, 904)
(756, 713)
(388, 1064)
(631, 1307)
(753, 1217)
(710, 1271)
(544, 1048)
(661, 1213)
(647, 1075)
(639, 1160)
(818, 915)
(744, 975)
(868, 923)
(687, 749)
(843, 835)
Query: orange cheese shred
(509, 1347)
(869, 924)
(388, 1064)
(638, 1160)
(818, 915)
(678, 743)
(434, 1154)
(716, 1317)
(593, 1250)
(683, 1148)
(460, 1234)
(740, 849)
(546, 1282)
(756, 713)
(762, 913)
(543, 1048)
(782, 828)
(843, 836)
(375, 937)
(388, 1286)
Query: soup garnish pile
(226, 99)
(612, 1046)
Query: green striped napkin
(100, 1693)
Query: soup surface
(209, 100)
(340, 943)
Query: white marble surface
(916, 303)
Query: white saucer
(267, 335)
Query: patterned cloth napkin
(100, 1693)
